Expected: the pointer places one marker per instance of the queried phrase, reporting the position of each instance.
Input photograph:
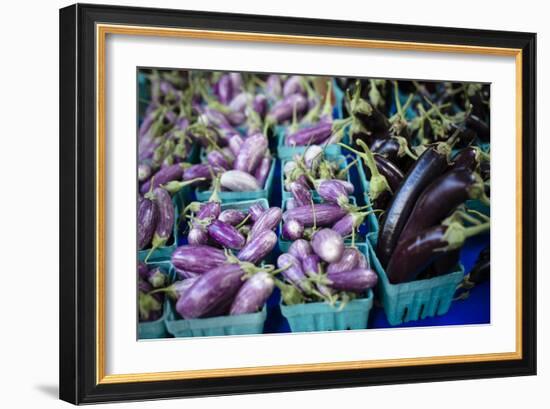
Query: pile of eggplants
(150, 302)
(323, 269)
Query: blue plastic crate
(416, 299)
(244, 324)
(342, 162)
(228, 197)
(157, 329)
(321, 316)
(285, 244)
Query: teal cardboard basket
(244, 324)
(371, 220)
(157, 329)
(340, 159)
(285, 244)
(416, 299)
(321, 316)
(165, 252)
(228, 197)
(479, 206)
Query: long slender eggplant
(468, 158)
(255, 211)
(268, 220)
(300, 192)
(259, 247)
(166, 219)
(253, 294)
(225, 235)
(148, 214)
(417, 252)
(163, 176)
(441, 197)
(430, 165)
(322, 214)
(262, 170)
(357, 280)
(198, 259)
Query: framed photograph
(258, 203)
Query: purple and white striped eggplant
(166, 218)
(224, 89)
(312, 156)
(225, 235)
(323, 214)
(313, 135)
(148, 214)
(291, 204)
(300, 192)
(239, 181)
(200, 170)
(231, 216)
(349, 261)
(239, 102)
(300, 249)
(218, 159)
(253, 294)
(163, 176)
(184, 274)
(350, 222)
(284, 110)
(357, 280)
(311, 264)
(251, 153)
(235, 143)
(157, 278)
(197, 259)
(259, 105)
(180, 287)
(363, 262)
(208, 210)
(292, 230)
(268, 220)
(197, 235)
(255, 211)
(293, 85)
(236, 81)
(333, 192)
(262, 171)
(212, 289)
(235, 118)
(293, 272)
(144, 172)
(259, 247)
(328, 245)
(274, 86)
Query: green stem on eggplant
(327, 109)
(456, 234)
(175, 186)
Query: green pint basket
(244, 324)
(416, 299)
(321, 316)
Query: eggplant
(163, 176)
(292, 230)
(231, 216)
(468, 158)
(348, 224)
(283, 110)
(209, 210)
(312, 156)
(323, 214)
(239, 181)
(201, 170)
(197, 235)
(313, 135)
(259, 105)
(157, 278)
(356, 280)
(259, 247)
(225, 235)
(300, 249)
(293, 273)
(251, 153)
(144, 172)
(235, 143)
(148, 214)
(224, 89)
(311, 265)
(253, 294)
(268, 220)
(328, 245)
(349, 260)
(441, 197)
(212, 289)
(446, 262)
(300, 193)
(198, 259)
(166, 219)
(332, 191)
(262, 171)
(217, 159)
(255, 211)
(418, 251)
(142, 270)
(293, 85)
(429, 166)
(479, 126)
(273, 86)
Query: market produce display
(282, 203)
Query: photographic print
(279, 203)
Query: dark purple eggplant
(198, 259)
(292, 230)
(142, 270)
(225, 235)
(429, 166)
(356, 280)
(417, 252)
(259, 247)
(446, 262)
(148, 215)
(268, 220)
(323, 214)
(441, 197)
(231, 216)
(212, 289)
(468, 158)
(328, 245)
(479, 126)
(253, 294)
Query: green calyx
(147, 304)
(175, 186)
(456, 234)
